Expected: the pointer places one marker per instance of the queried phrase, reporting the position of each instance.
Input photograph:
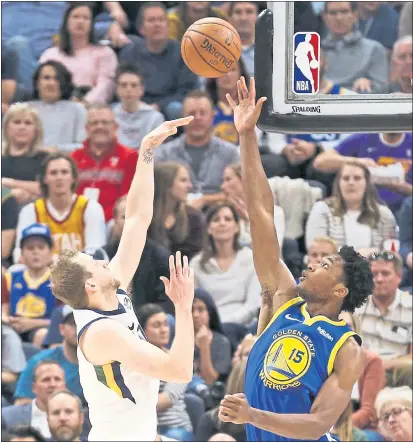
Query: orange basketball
(211, 47)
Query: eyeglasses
(385, 256)
(395, 412)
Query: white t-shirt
(357, 235)
(39, 420)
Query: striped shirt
(176, 415)
(389, 335)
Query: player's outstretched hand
(163, 131)
(247, 112)
(180, 286)
(235, 408)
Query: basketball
(313, 64)
(211, 47)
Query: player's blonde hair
(68, 280)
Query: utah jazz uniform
(122, 402)
(67, 234)
(290, 362)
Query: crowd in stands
(82, 84)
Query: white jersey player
(119, 369)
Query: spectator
(225, 269)
(63, 120)
(371, 150)
(405, 222)
(221, 437)
(75, 221)
(344, 428)
(92, 66)
(48, 377)
(26, 433)
(65, 356)
(173, 419)
(189, 12)
(9, 66)
(378, 21)
(394, 408)
(401, 65)
(386, 319)
(232, 188)
(205, 156)
(29, 301)
(243, 16)
(65, 416)
(354, 61)
(146, 284)
(9, 217)
(212, 358)
(175, 225)
(368, 386)
(135, 118)
(353, 214)
(405, 20)
(244, 349)
(106, 167)
(218, 88)
(166, 77)
(22, 151)
(319, 248)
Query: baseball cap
(96, 253)
(36, 231)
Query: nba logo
(306, 72)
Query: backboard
(295, 105)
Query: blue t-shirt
(24, 384)
(373, 146)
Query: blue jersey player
(302, 369)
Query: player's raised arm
(274, 276)
(139, 204)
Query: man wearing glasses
(386, 319)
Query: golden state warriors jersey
(67, 234)
(122, 402)
(290, 362)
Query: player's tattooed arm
(148, 156)
(266, 296)
(266, 311)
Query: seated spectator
(173, 419)
(92, 66)
(372, 150)
(146, 286)
(134, 117)
(405, 223)
(221, 437)
(319, 248)
(166, 77)
(175, 225)
(386, 319)
(13, 360)
(394, 409)
(64, 355)
(368, 386)
(405, 19)
(65, 416)
(22, 152)
(9, 217)
(401, 65)
(223, 125)
(9, 66)
(187, 13)
(225, 269)
(232, 188)
(344, 428)
(354, 61)
(378, 21)
(353, 214)
(63, 120)
(19, 433)
(244, 348)
(205, 156)
(29, 301)
(75, 221)
(48, 377)
(243, 16)
(106, 167)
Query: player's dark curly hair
(358, 278)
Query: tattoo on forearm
(267, 296)
(148, 156)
